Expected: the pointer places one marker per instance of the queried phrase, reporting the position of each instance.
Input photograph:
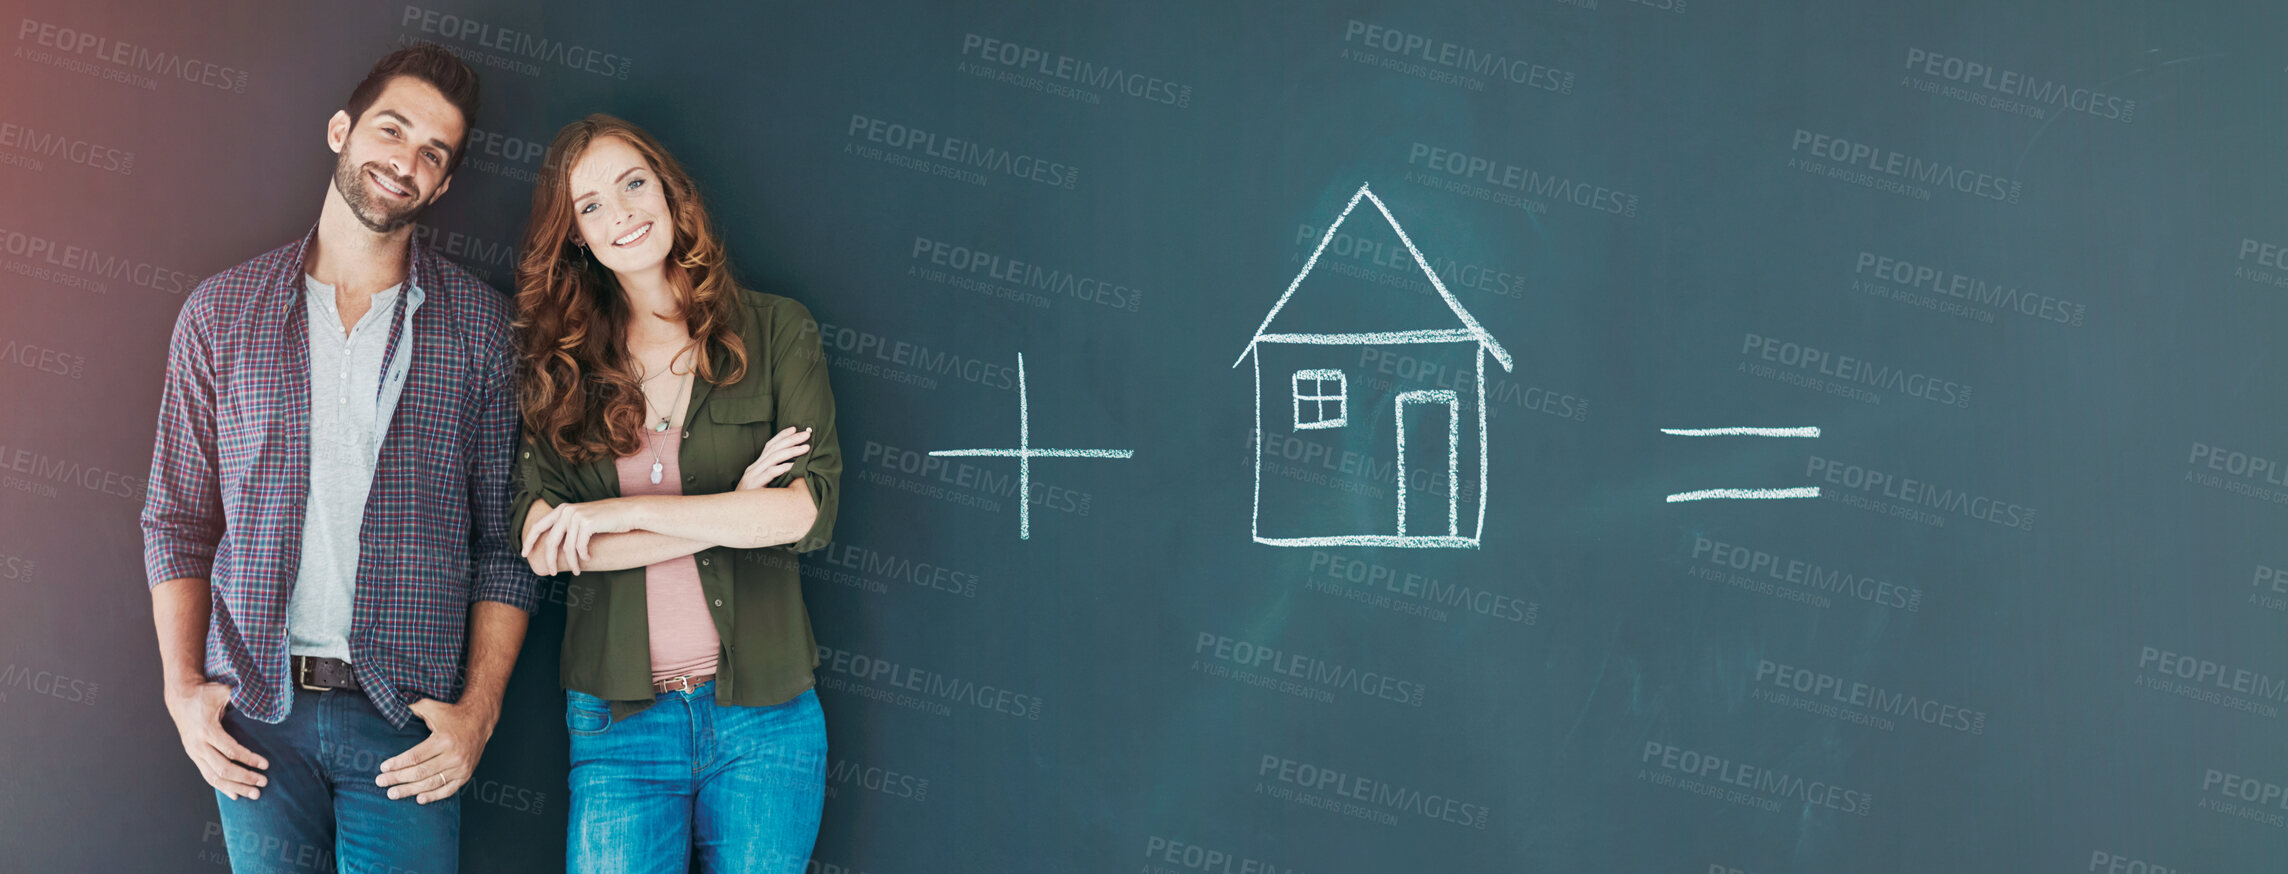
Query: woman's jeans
(742, 785)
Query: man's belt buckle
(302, 676)
(669, 685)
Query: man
(327, 521)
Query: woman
(679, 448)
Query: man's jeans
(321, 808)
(743, 785)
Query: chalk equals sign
(1744, 494)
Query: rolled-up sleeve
(182, 510)
(539, 477)
(806, 401)
(501, 572)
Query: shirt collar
(420, 268)
(322, 295)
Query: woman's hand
(558, 542)
(777, 458)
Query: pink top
(683, 638)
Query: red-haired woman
(679, 448)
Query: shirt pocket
(743, 423)
(749, 410)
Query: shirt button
(718, 602)
(686, 433)
(704, 561)
(690, 477)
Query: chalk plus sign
(1025, 453)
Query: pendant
(656, 469)
(661, 427)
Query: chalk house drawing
(1319, 398)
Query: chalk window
(1320, 399)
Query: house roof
(1470, 329)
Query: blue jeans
(321, 809)
(743, 785)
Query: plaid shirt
(230, 474)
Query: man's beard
(377, 217)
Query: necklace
(662, 424)
(658, 465)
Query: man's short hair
(431, 63)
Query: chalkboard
(2020, 605)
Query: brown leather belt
(680, 684)
(319, 674)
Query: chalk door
(1429, 464)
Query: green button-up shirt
(755, 595)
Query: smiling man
(337, 596)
